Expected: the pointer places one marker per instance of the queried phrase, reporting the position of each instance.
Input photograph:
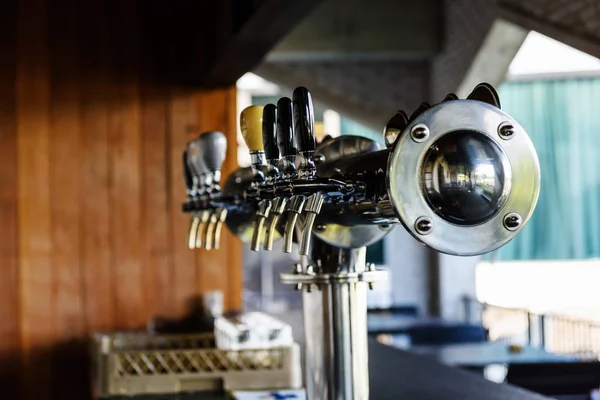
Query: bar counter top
(398, 375)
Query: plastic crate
(133, 364)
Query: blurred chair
(406, 309)
(441, 335)
(554, 379)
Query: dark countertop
(486, 353)
(399, 375)
(401, 323)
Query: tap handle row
(203, 160)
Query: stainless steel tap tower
(461, 176)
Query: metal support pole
(334, 301)
(335, 321)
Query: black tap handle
(269, 132)
(285, 128)
(187, 174)
(304, 120)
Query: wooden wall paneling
(68, 364)
(35, 244)
(211, 271)
(181, 119)
(231, 244)
(125, 152)
(9, 283)
(156, 250)
(216, 111)
(65, 159)
(96, 252)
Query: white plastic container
(253, 330)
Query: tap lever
(295, 206)
(313, 208)
(214, 148)
(285, 139)
(221, 216)
(210, 230)
(251, 124)
(269, 133)
(189, 178)
(203, 219)
(304, 127)
(196, 164)
(394, 128)
(278, 208)
(195, 222)
(264, 207)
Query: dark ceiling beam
(587, 44)
(248, 44)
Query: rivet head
(297, 268)
(310, 270)
(319, 158)
(506, 130)
(419, 133)
(424, 225)
(512, 221)
(298, 286)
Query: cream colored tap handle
(251, 120)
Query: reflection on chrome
(465, 177)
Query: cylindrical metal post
(335, 319)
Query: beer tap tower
(461, 176)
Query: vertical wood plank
(69, 366)
(9, 282)
(211, 266)
(156, 248)
(218, 270)
(181, 117)
(35, 246)
(232, 245)
(65, 159)
(124, 153)
(96, 253)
